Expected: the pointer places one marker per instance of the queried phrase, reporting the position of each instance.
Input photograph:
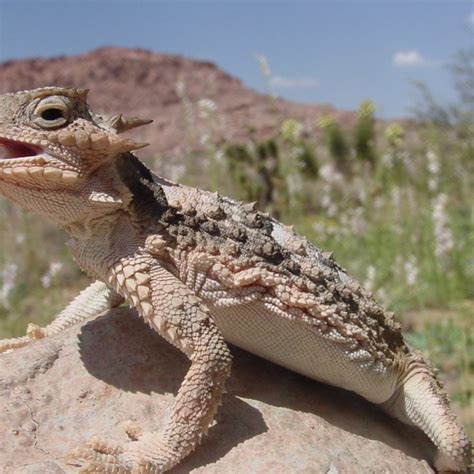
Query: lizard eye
(51, 112)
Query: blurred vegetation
(393, 201)
(271, 171)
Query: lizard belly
(300, 348)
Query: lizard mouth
(24, 162)
(10, 149)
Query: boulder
(58, 392)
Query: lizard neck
(104, 201)
(109, 230)
(100, 243)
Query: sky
(336, 52)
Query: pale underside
(298, 347)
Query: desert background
(388, 190)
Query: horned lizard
(202, 270)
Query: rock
(58, 392)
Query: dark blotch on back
(149, 199)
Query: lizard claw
(105, 446)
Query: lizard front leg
(179, 316)
(95, 299)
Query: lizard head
(52, 148)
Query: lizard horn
(121, 145)
(82, 94)
(122, 124)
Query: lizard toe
(133, 430)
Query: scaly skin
(202, 269)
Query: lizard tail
(421, 401)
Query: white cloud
(470, 19)
(294, 83)
(409, 58)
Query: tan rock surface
(57, 393)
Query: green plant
(364, 133)
(336, 142)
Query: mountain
(143, 83)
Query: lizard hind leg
(420, 401)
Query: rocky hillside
(143, 83)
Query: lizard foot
(144, 453)
(99, 455)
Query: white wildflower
(396, 197)
(330, 174)
(53, 270)
(432, 183)
(387, 160)
(361, 194)
(331, 211)
(326, 171)
(264, 66)
(370, 278)
(382, 295)
(294, 183)
(322, 229)
(20, 238)
(329, 205)
(378, 202)
(206, 107)
(180, 88)
(8, 276)
(433, 166)
(219, 156)
(358, 224)
(432, 161)
(411, 270)
(204, 139)
(319, 228)
(408, 162)
(294, 153)
(175, 171)
(326, 200)
(444, 240)
(345, 223)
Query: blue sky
(337, 52)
